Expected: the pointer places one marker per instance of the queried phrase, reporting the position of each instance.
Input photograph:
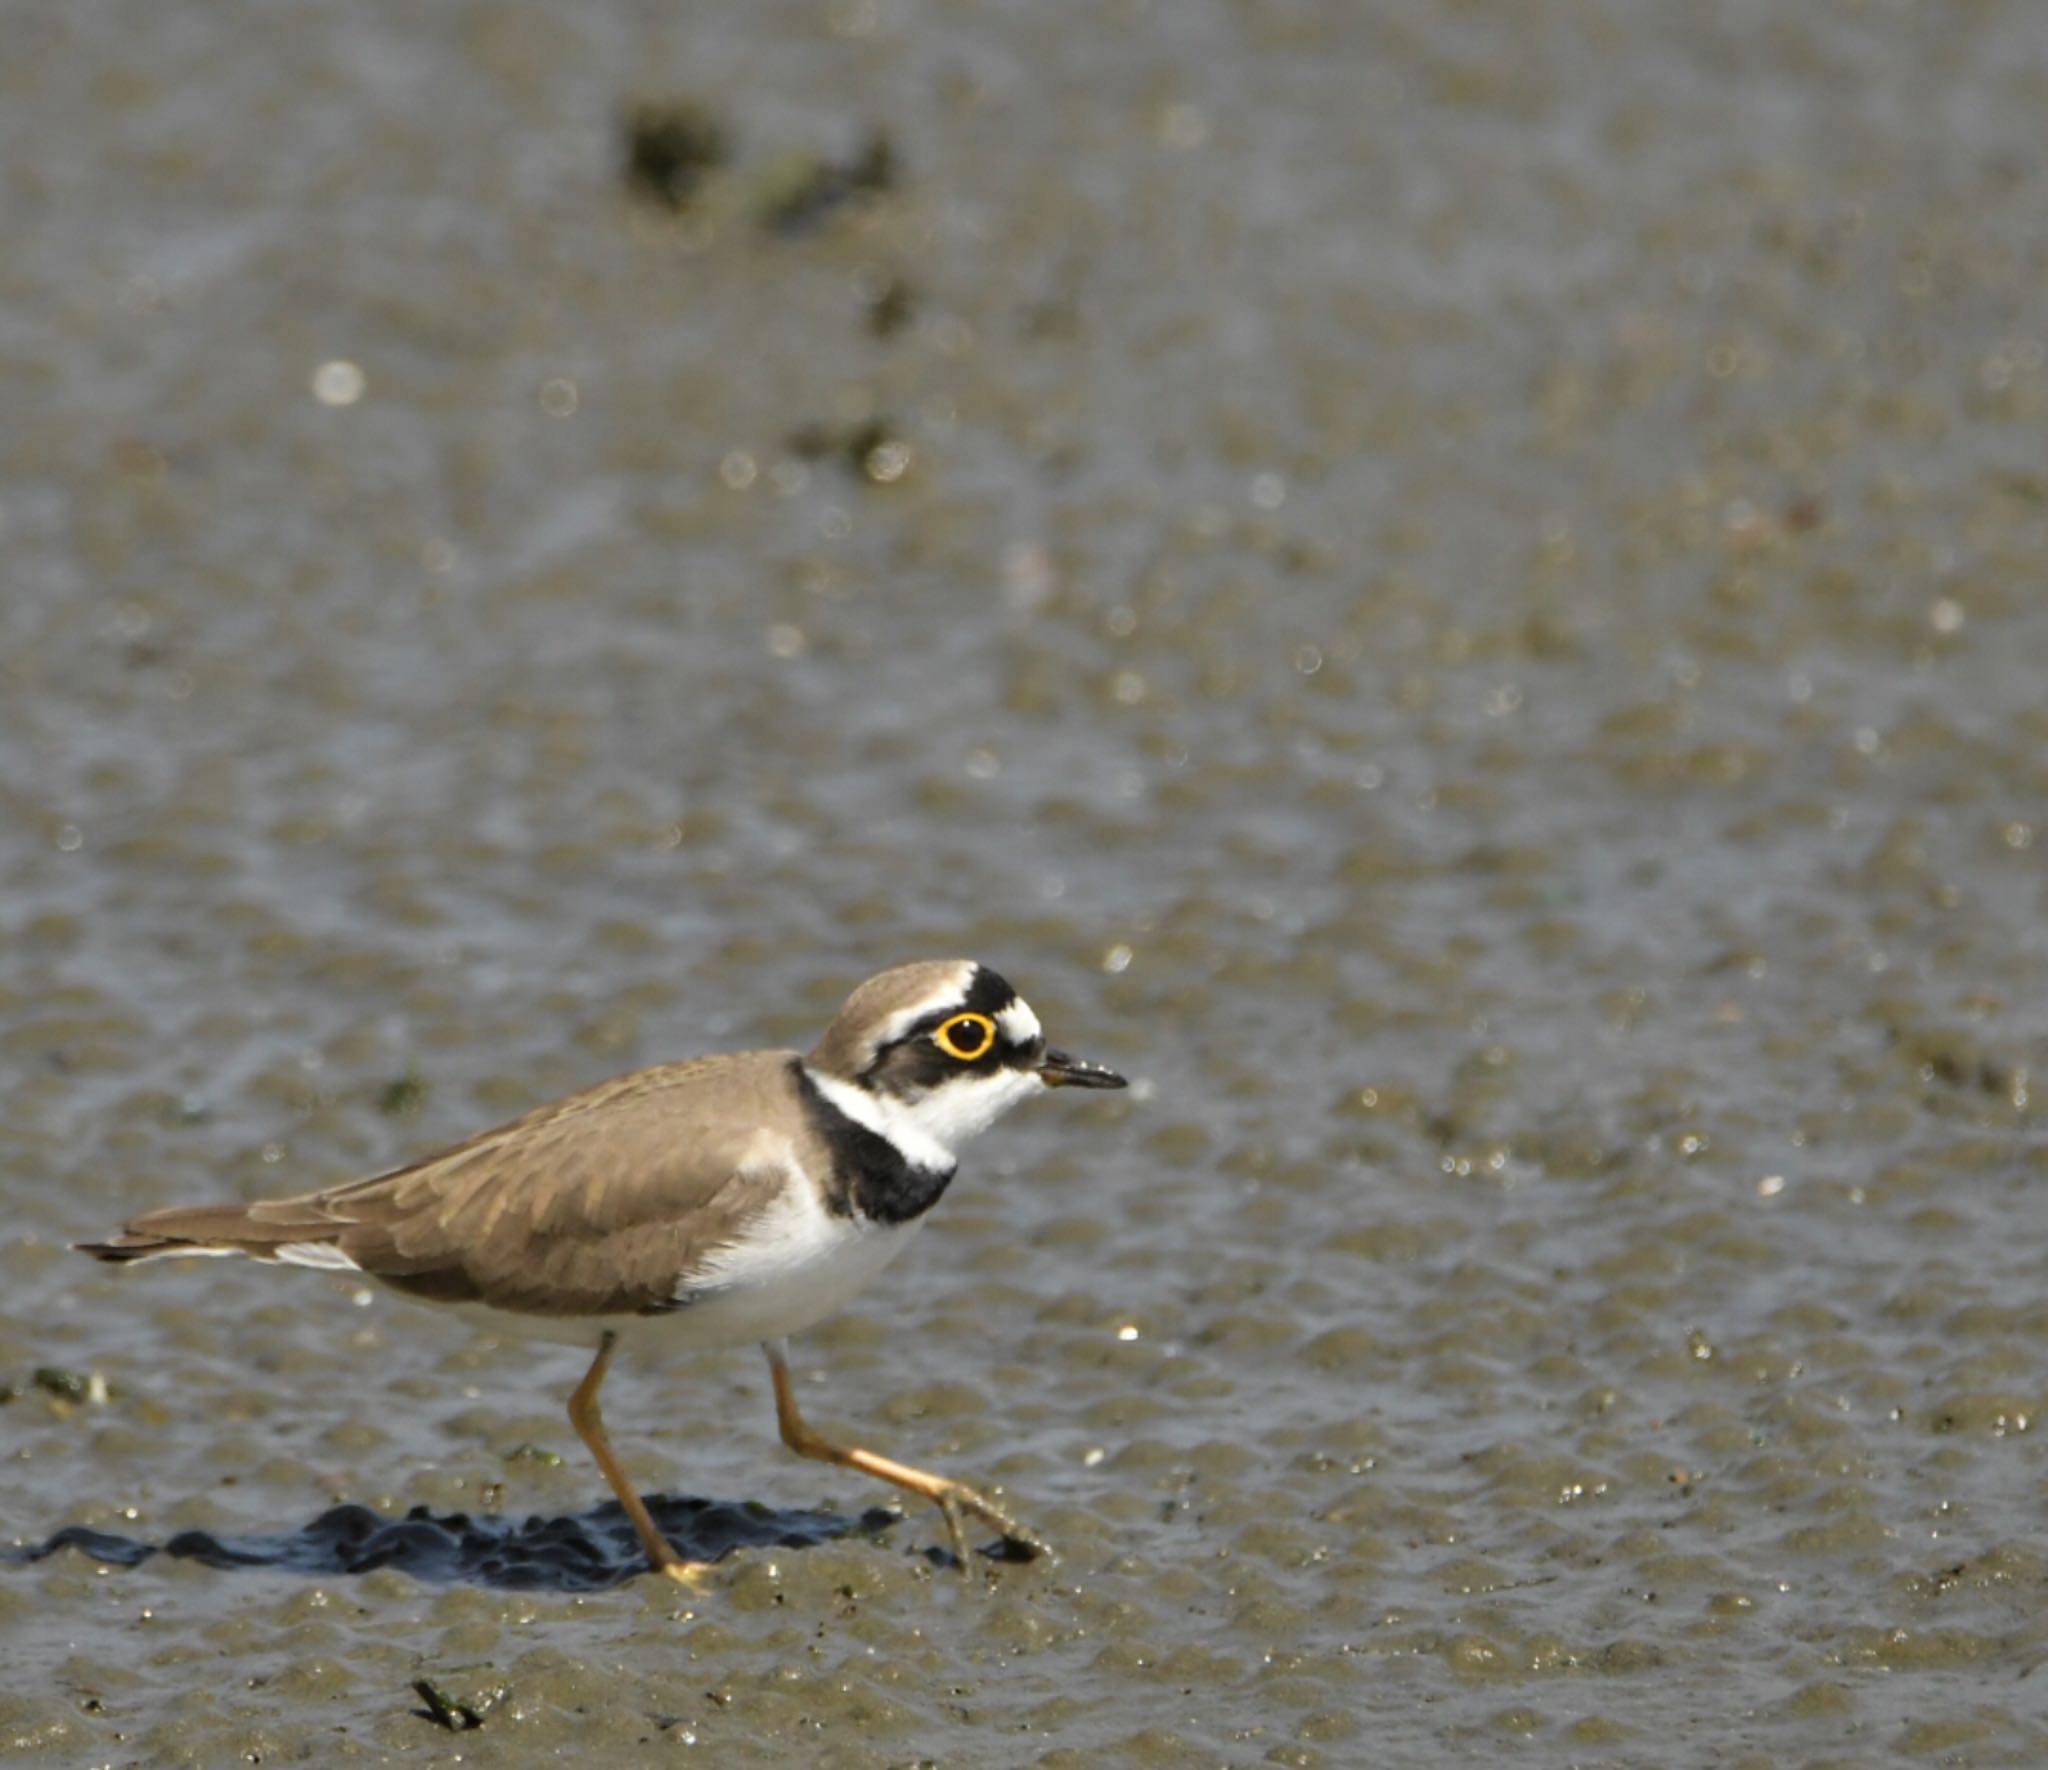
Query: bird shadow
(583, 1552)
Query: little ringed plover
(697, 1204)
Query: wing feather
(608, 1201)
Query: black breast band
(870, 1176)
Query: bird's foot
(955, 1498)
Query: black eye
(966, 1036)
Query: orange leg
(950, 1496)
(589, 1424)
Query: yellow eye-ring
(966, 1036)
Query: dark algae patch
(673, 149)
(402, 1096)
(66, 1389)
(585, 1553)
(66, 1385)
(670, 148)
(875, 450)
(805, 191)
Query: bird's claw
(1019, 1543)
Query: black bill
(1057, 1070)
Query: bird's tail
(261, 1231)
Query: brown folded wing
(605, 1202)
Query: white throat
(928, 1131)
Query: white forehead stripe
(1020, 1026)
(904, 1019)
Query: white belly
(775, 1290)
(798, 1266)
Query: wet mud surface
(1453, 589)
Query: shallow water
(1462, 605)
